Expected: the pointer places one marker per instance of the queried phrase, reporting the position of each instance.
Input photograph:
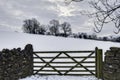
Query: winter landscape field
(60, 25)
(12, 40)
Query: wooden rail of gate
(68, 63)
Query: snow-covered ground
(50, 43)
(36, 77)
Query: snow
(37, 77)
(51, 43)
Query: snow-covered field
(50, 43)
(36, 77)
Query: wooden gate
(68, 63)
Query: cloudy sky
(14, 12)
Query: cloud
(65, 10)
(14, 12)
(88, 23)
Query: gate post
(29, 51)
(99, 63)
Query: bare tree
(54, 27)
(66, 27)
(41, 30)
(69, 1)
(106, 11)
(31, 26)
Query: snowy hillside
(50, 43)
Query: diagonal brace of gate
(78, 63)
(48, 63)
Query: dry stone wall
(111, 68)
(16, 63)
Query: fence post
(29, 51)
(99, 63)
